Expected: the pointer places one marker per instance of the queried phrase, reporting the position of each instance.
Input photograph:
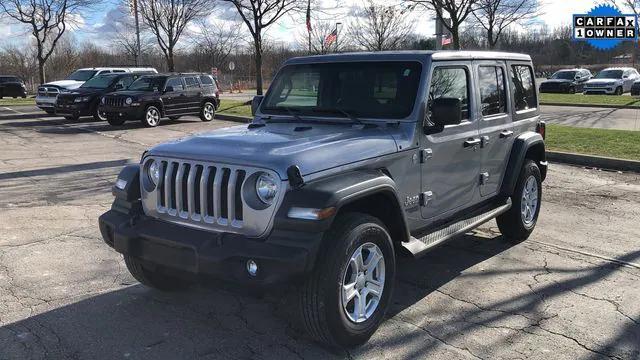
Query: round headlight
(266, 188)
(128, 101)
(154, 172)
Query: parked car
(48, 93)
(635, 88)
(612, 81)
(153, 97)
(351, 159)
(12, 86)
(566, 81)
(85, 100)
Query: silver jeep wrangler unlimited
(350, 161)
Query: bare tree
(168, 19)
(452, 13)
(259, 15)
(496, 15)
(47, 20)
(126, 41)
(320, 30)
(216, 41)
(379, 28)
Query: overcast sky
(98, 26)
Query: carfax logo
(604, 27)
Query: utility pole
(138, 50)
(338, 25)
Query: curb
(594, 161)
(604, 106)
(236, 118)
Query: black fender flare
(126, 191)
(528, 145)
(338, 191)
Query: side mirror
(255, 103)
(168, 89)
(446, 111)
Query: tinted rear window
(206, 80)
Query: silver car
(612, 81)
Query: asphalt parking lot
(569, 292)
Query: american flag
(446, 40)
(331, 37)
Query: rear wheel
(517, 224)
(344, 300)
(208, 111)
(151, 117)
(151, 278)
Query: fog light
(252, 267)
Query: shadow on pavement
(65, 169)
(139, 323)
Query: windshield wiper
(346, 113)
(289, 110)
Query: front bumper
(46, 102)
(127, 113)
(75, 109)
(609, 90)
(282, 257)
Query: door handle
(506, 133)
(471, 142)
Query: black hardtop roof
(408, 55)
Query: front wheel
(99, 115)
(619, 90)
(518, 222)
(345, 299)
(151, 278)
(208, 111)
(151, 117)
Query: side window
(191, 82)
(125, 82)
(118, 71)
(451, 82)
(175, 83)
(524, 92)
(206, 80)
(493, 97)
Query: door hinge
(484, 178)
(425, 197)
(425, 154)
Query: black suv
(12, 86)
(153, 97)
(84, 100)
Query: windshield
(384, 90)
(609, 74)
(99, 82)
(4, 79)
(82, 75)
(564, 75)
(148, 83)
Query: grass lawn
(595, 100)
(17, 101)
(234, 107)
(621, 144)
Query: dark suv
(350, 161)
(84, 100)
(12, 86)
(153, 97)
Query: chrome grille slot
(114, 101)
(206, 195)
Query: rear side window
(191, 82)
(125, 81)
(524, 90)
(206, 80)
(493, 97)
(451, 82)
(175, 83)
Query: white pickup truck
(48, 93)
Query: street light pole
(138, 50)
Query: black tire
(320, 297)
(147, 117)
(153, 279)
(115, 121)
(619, 90)
(512, 224)
(98, 115)
(208, 111)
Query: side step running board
(419, 246)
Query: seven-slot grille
(114, 101)
(48, 91)
(201, 192)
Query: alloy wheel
(363, 283)
(529, 202)
(153, 117)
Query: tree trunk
(258, 45)
(456, 38)
(41, 71)
(170, 63)
(490, 41)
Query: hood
(65, 84)
(276, 146)
(130, 93)
(82, 91)
(602, 81)
(557, 81)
